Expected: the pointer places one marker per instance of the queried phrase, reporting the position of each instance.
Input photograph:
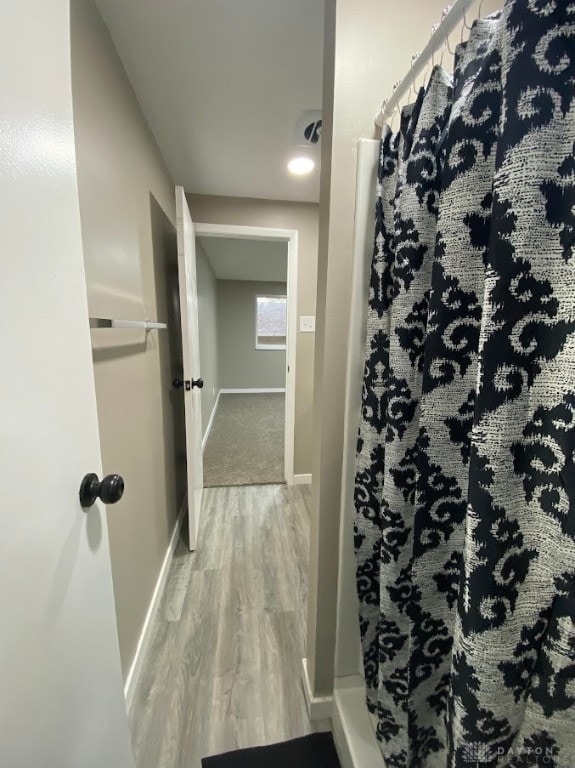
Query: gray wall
(128, 214)
(241, 365)
(208, 325)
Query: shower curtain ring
(429, 67)
(480, 12)
(414, 58)
(444, 15)
(448, 45)
(434, 28)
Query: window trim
(276, 347)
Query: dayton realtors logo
(478, 753)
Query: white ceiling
(237, 259)
(222, 83)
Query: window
(271, 322)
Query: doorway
(166, 279)
(176, 299)
(248, 346)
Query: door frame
(289, 236)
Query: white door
(191, 355)
(61, 700)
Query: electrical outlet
(307, 324)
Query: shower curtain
(465, 468)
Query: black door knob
(177, 383)
(199, 383)
(110, 490)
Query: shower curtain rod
(452, 15)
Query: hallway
(223, 671)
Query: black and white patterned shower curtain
(465, 470)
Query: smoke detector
(308, 129)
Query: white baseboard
(318, 707)
(353, 731)
(146, 634)
(301, 479)
(211, 421)
(249, 391)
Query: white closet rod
(146, 325)
(438, 39)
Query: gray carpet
(246, 442)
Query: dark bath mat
(314, 751)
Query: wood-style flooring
(223, 669)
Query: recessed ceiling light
(299, 166)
